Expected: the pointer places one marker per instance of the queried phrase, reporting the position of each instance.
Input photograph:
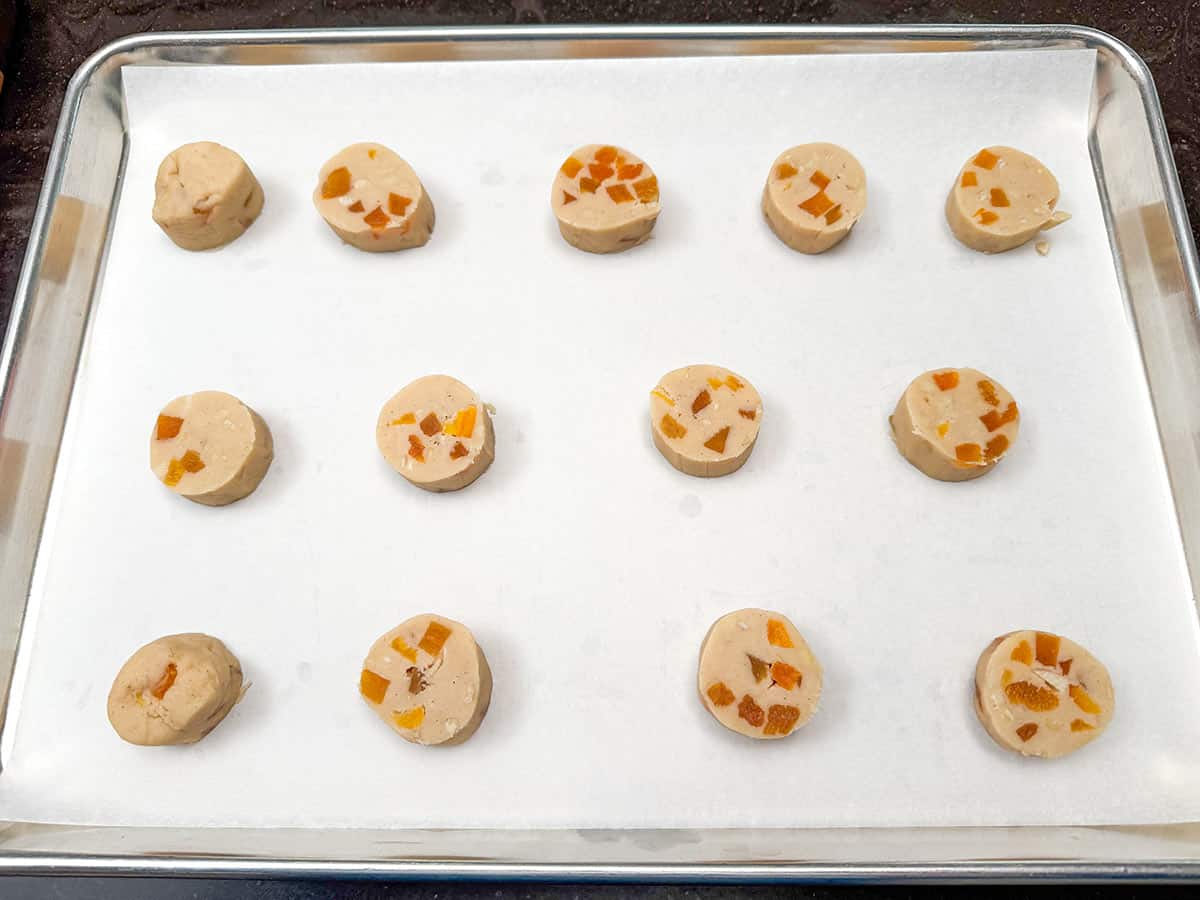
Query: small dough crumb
(1042, 247)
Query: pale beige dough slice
(429, 680)
(205, 196)
(813, 196)
(174, 690)
(705, 419)
(757, 675)
(605, 199)
(373, 200)
(1040, 694)
(1001, 199)
(955, 424)
(437, 433)
(210, 447)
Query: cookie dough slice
(955, 424)
(757, 676)
(210, 447)
(605, 199)
(374, 200)
(814, 195)
(1040, 694)
(705, 420)
(1001, 199)
(205, 196)
(428, 680)
(174, 690)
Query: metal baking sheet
(1164, 248)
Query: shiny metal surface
(1157, 265)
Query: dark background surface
(53, 38)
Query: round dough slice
(705, 420)
(1001, 199)
(374, 200)
(429, 680)
(210, 447)
(605, 199)
(955, 424)
(174, 690)
(437, 433)
(757, 676)
(205, 196)
(814, 195)
(1041, 695)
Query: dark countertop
(54, 36)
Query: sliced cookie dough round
(429, 680)
(955, 424)
(437, 433)
(757, 676)
(1040, 694)
(374, 200)
(1001, 199)
(174, 690)
(210, 447)
(605, 199)
(205, 196)
(814, 195)
(705, 420)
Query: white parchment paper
(587, 567)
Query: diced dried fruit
(167, 427)
(662, 395)
(618, 193)
(758, 667)
(372, 686)
(371, 153)
(631, 171)
(463, 423)
(458, 451)
(947, 380)
(986, 216)
(985, 159)
(410, 718)
(600, 172)
(568, 198)
(820, 179)
(987, 391)
(377, 218)
(817, 205)
(671, 428)
(403, 649)
(336, 183)
(435, 638)
(995, 448)
(571, 167)
(833, 215)
(192, 462)
(785, 676)
(993, 420)
(355, 207)
(605, 155)
(969, 180)
(716, 443)
(1026, 731)
(777, 634)
(1065, 665)
(397, 204)
(647, 189)
(750, 414)
(588, 185)
(751, 711)
(1022, 653)
(999, 198)
(1084, 700)
(416, 680)
(702, 400)
(1006, 678)
(942, 428)
(174, 473)
(781, 719)
(406, 419)
(416, 449)
(431, 425)
(732, 383)
(1031, 696)
(785, 170)
(968, 453)
(720, 695)
(164, 683)
(1080, 725)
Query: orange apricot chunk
(600, 172)
(702, 400)
(605, 155)
(174, 473)
(371, 153)
(817, 205)
(416, 449)
(720, 694)
(671, 428)
(434, 638)
(410, 718)
(403, 649)
(986, 216)
(987, 391)
(372, 686)
(397, 204)
(458, 451)
(820, 179)
(619, 193)
(785, 170)
(968, 453)
(588, 185)
(192, 462)
(732, 383)
(1047, 648)
(416, 680)
(781, 719)
(629, 171)
(969, 180)
(946, 380)
(568, 198)
(355, 207)
(999, 198)
(1084, 700)
(993, 420)
(986, 159)
(571, 167)
(995, 448)
(751, 711)
(1022, 653)
(758, 667)
(337, 183)
(164, 683)
(647, 189)
(942, 428)
(463, 423)
(1006, 678)
(662, 395)
(1080, 725)
(1065, 665)
(1026, 731)
(167, 427)
(406, 419)
(376, 218)
(431, 425)
(716, 443)
(785, 676)
(1031, 696)
(833, 215)
(750, 414)
(777, 634)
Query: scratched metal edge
(998, 870)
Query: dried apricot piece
(1080, 725)
(371, 153)
(377, 218)
(355, 207)
(751, 711)
(463, 423)
(167, 427)
(781, 719)
(434, 638)
(571, 167)
(942, 428)
(671, 428)
(647, 189)
(719, 694)
(406, 419)
(618, 193)
(968, 180)
(820, 179)
(164, 683)
(397, 204)
(777, 634)
(416, 680)
(986, 159)
(372, 686)
(732, 383)
(987, 391)
(662, 395)
(458, 451)
(758, 667)
(785, 170)
(410, 718)
(336, 183)
(785, 676)
(968, 453)
(1031, 696)
(750, 414)
(1026, 731)
(702, 400)
(1084, 700)
(833, 215)
(817, 205)
(174, 473)
(600, 172)
(416, 449)
(568, 198)
(716, 443)
(191, 462)
(947, 380)
(588, 185)
(1065, 665)
(1022, 653)
(625, 173)
(993, 420)
(999, 198)
(605, 154)
(995, 448)
(431, 425)
(1006, 678)
(403, 649)
(986, 216)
